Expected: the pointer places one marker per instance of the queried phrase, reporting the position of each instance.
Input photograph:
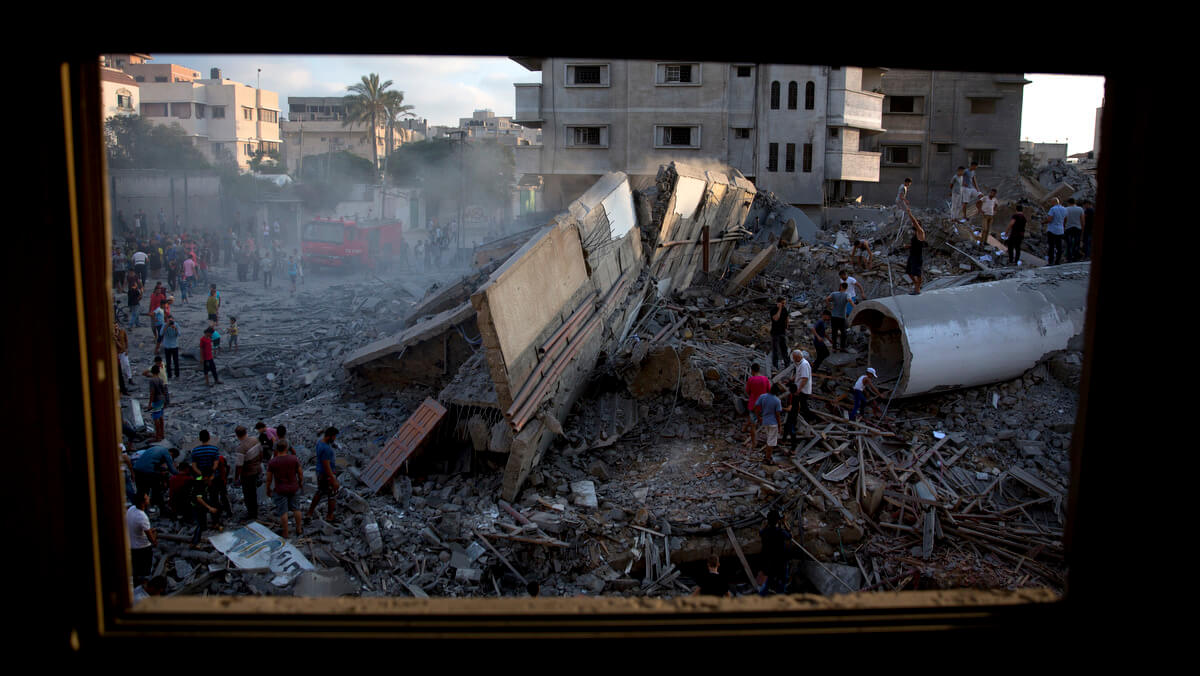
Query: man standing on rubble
(139, 264)
(857, 293)
(841, 303)
(149, 470)
(1073, 229)
(1014, 234)
(913, 267)
(957, 205)
(1055, 223)
(774, 537)
(711, 583)
(779, 327)
(756, 385)
(769, 408)
(247, 468)
(803, 380)
(327, 483)
(142, 537)
(206, 354)
(987, 206)
(864, 382)
(124, 371)
(284, 480)
(818, 333)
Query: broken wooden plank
(501, 557)
(403, 444)
(825, 491)
(762, 480)
(737, 548)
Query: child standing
(233, 333)
(216, 337)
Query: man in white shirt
(139, 265)
(852, 287)
(803, 380)
(865, 381)
(987, 206)
(142, 538)
(902, 205)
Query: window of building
(182, 111)
(679, 73)
(983, 157)
(810, 95)
(201, 109)
(808, 158)
(772, 157)
(793, 94)
(249, 149)
(139, 78)
(903, 104)
(247, 113)
(160, 78)
(775, 95)
(218, 148)
(268, 115)
(270, 147)
(585, 136)
(743, 71)
(789, 158)
(833, 132)
(298, 108)
(125, 101)
(902, 155)
(741, 132)
(587, 75)
(687, 137)
(218, 112)
(983, 106)
(154, 110)
(942, 148)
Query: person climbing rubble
(756, 385)
(327, 483)
(773, 575)
(779, 328)
(987, 207)
(841, 303)
(913, 267)
(769, 408)
(285, 479)
(1014, 234)
(865, 381)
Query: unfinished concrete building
(939, 120)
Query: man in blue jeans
(1055, 223)
(860, 396)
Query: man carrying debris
(247, 468)
(1055, 222)
(865, 381)
(1073, 229)
(841, 302)
(756, 385)
(711, 583)
(284, 480)
(818, 333)
(1013, 234)
(913, 267)
(987, 206)
(779, 327)
(769, 407)
(327, 483)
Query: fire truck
(337, 242)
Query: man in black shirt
(779, 325)
(818, 332)
(774, 555)
(1013, 234)
(711, 583)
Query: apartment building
(484, 124)
(936, 121)
(227, 120)
(119, 93)
(1044, 152)
(315, 125)
(795, 130)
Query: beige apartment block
(795, 130)
(228, 121)
(119, 93)
(316, 126)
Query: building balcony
(528, 159)
(529, 105)
(852, 165)
(854, 108)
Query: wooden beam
(737, 548)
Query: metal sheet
(403, 444)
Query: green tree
(265, 162)
(134, 143)
(394, 109)
(369, 104)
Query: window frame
(215, 110)
(989, 100)
(661, 70)
(749, 71)
(605, 74)
(793, 100)
(810, 95)
(569, 136)
(738, 132)
(914, 150)
(773, 158)
(774, 100)
(808, 158)
(889, 100)
(789, 158)
(247, 114)
(972, 157)
(695, 136)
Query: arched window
(793, 93)
(775, 95)
(810, 95)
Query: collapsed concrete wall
(427, 353)
(976, 334)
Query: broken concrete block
(468, 575)
(374, 539)
(183, 569)
(547, 522)
(598, 469)
(583, 493)
(458, 556)
(402, 489)
(320, 583)
(1030, 448)
(825, 577)
(500, 438)
(591, 582)
(478, 430)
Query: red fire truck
(343, 243)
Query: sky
(445, 88)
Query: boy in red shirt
(206, 353)
(756, 385)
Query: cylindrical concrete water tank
(974, 334)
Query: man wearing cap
(867, 380)
(803, 380)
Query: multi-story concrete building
(315, 125)
(228, 121)
(937, 121)
(119, 93)
(1096, 140)
(483, 124)
(793, 130)
(1044, 152)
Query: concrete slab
(752, 268)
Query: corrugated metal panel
(402, 444)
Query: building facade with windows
(228, 121)
(937, 121)
(1044, 152)
(119, 93)
(315, 125)
(794, 130)
(484, 124)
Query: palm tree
(394, 109)
(368, 104)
